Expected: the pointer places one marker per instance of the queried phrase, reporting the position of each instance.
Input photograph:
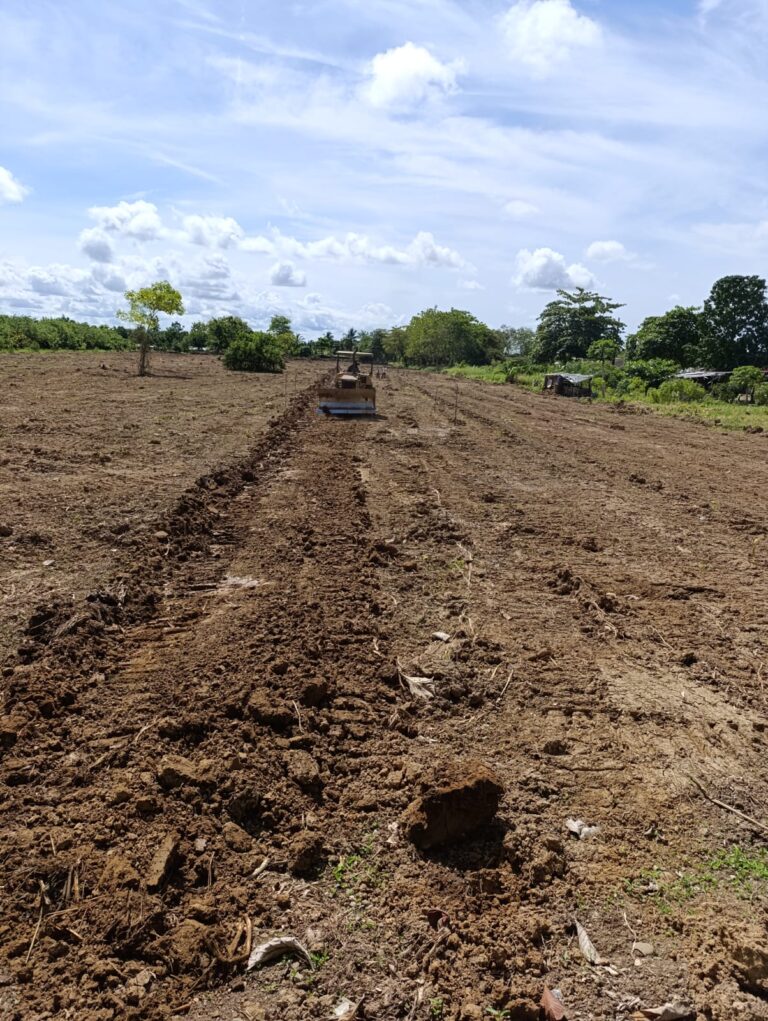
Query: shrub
(760, 394)
(673, 390)
(256, 353)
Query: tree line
(60, 334)
(730, 329)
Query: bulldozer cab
(352, 391)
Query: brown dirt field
(91, 453)
(218, 746)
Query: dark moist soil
(219, 743)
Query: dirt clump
(306, 852)
(163, 861)
(466, 798)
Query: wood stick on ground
(35, 934)
(729, 808)
(503, 691)
(298, 716)
(260, 868)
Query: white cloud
(607, 251)
(210, 280)
(519, 209)
(471, 285)
(423, 250)
(96, 244)
(407, 75)
(543, 33)
(285, 274)
(258, 244)
(546, 270)
(139, 220)
(109, 278)
(56, 279)
(11, 190)
(213, 231)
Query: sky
(351, 162)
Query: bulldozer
(352, 391)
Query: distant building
(704, 377)
(568, 384)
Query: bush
(256, 353)
(673, 390)
(745, 378)
(760, 394)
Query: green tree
(395, 344)
(676, 336)
(175, 338)
(279, 324)
(651, 371)
(281, 329)
(745, 378)
(572, 322)
(144, 308)
(225, 330)
(604, 350)
(374, 342)
(257, 352)
(517, 340)
(436, 337)
(350, 338)
(735, 323)
(324, 345)
(198, 336)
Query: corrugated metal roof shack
(704, 377)
(568, 384)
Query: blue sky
(350, 162)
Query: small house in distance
(568, 384)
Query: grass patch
(487, 373)
(724, 414)
(743, 872)
(719, 413)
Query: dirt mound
(466, 798)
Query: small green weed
(504, 1015)
(319, 958)
(436, 1006)
(735, 868)
(352, 868)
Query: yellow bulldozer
(352, 391)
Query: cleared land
(223, 739)
(91, 454)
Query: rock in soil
(236, 838)
(305, 853)
(468, 799)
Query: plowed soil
(217, 744)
